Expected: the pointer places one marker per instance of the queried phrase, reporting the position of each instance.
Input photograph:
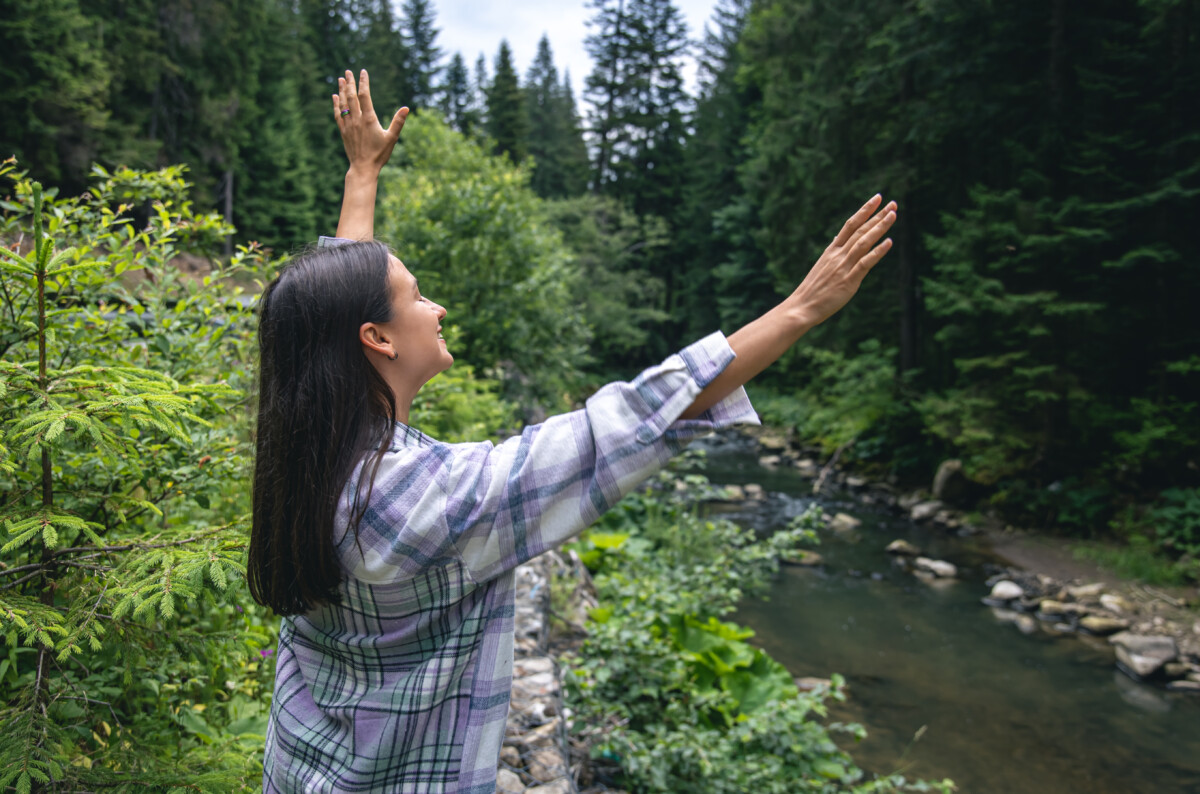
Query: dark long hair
(321, 407)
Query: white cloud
(471, 27)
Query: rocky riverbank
(533, 759)
(1154, 635)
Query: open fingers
(857, 219)
(350, 95)
(397, 124)
(364, 93)
(873, 256)
(871, 236)
(870, 223)
(337, 111)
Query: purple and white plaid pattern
(404, 686)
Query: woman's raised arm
(828, 287)
(368, 147)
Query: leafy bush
(1177, 521)
(459, 406)
(697, 707)
(840, 396)
(123, 443)
(474, 232)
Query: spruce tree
(456, 96)
(420, 37)
(507, 123)
(554, 141)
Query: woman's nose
(441, 310)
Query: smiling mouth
(439, 334)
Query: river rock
(802, 557)
(809, 683)
(939, 568)
(510, 755)
(855, 482)
(903, 548)
(1083, 591)
(950, 484)
(909, 500)
(1185, 686)
(807, 467)
(1051, 608)
(1026, 624)
(1193, 676)
(508, 782)
(772, 443)
(1114, 603)
(844, 522)
(733, 493)
(547, 764)
(923, 511)
(753, 490)
(1006, 590)
(557, 787)
(769, 461)
(1103, 625)
(1143, 655)
(1174, 670)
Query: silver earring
(393, 356)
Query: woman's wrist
(362, 175)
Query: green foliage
(1177, 521)
(1138, 558)
(839, 398)
(471, 228)
(620, 302)
(507, 120)
(554, 135)
(122, 450)
(698, 708)
(459, 406)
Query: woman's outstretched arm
(368, 147)
(828, 287)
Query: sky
(473, 27)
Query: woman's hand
(837, 275)
(368, 144)
(828, 287)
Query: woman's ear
(373, 339)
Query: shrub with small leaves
(125, 351)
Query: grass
(1139, 561)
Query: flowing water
(997, 711)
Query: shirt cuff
(705, 360)
(329, 242)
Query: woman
(391, 555)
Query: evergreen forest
(1037, 317)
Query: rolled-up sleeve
(506, 504)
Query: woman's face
(415, 329)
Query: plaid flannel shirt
(404, 685)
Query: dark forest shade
(322, 407)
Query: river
(997, 711)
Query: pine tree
(480, 84)
(53, 107)
(507, 123)
(555, 141)
(386, 57)
(457, 102)
(420, 37)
